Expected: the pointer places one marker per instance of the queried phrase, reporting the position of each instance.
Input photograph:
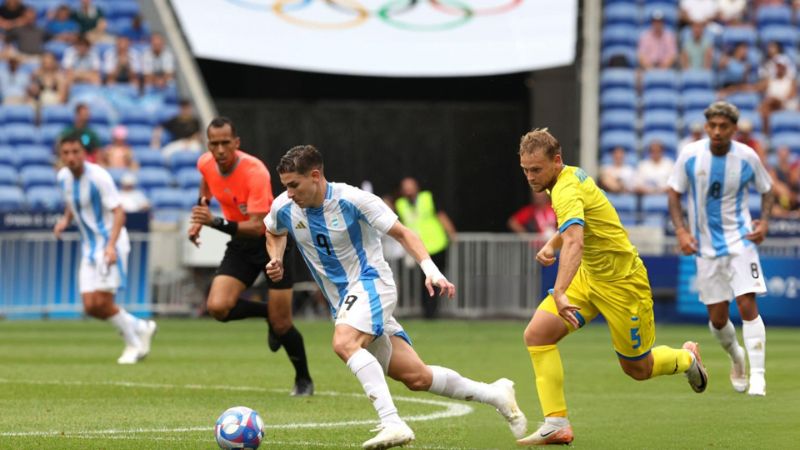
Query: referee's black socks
(292, 341)
(246, 308)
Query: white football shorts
(99, 276)
(727, 277)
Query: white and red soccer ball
(239, 427)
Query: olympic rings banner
(396, 38)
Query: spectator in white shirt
(617, 177)
(121, 63)
(14, 82)
(698, 11)
(132, 199)
(652, 173)
(158, 63)
(81, 63)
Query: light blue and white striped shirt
(341, 240)
(92, 198)
(717, 189)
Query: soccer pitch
(60, 387)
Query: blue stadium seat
(630, 3)
(124, 90)
(116, 174)
(11, 199)
(660, 120)
(8, 157)
(622, 35)
(617, 78)
(8, 175)
(37, 176)
(788, 139)
(786, 35)
(697, 79)
(660, 99)
(655, 203)
(733, 36)
(612, 139)
(121, 9)
(188, 179)
(166, 112)
(618, 120)
(659, 79)
(668, 10)
(691, 117)
(135, 115)
(623, 203)
(103, 133)
(698, 99)
(654, 220)
(85, 91)
(183, 159)
(618, 99)
(782, 121)
(745, 100)
(100, 116)
(34, 155)
(56, 47)
(58, 114)
(620, 14)
(44, 198)
(147, 157)
(49, 134)
(622, 51)
(607, 158)
(24, 114)
(154, 177)
(139, 135)
(668, 139)
(755, 118)
(20, 134)
(168, 198)
(773, 15)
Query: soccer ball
(239, 427)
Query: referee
(241, 184)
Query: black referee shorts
(245, 258)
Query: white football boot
(390, 435)
(552, 432)
(697, 375)
(146, 337)
(758, 385)
(509, 409)
(738, 373)
(129, 356)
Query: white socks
(726, 337)
(370, 374)
(127, 326)
(755, 341)
(449, 383)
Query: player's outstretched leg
(686, 360)
(288, 337)
(726, 336)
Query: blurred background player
(93, 201)
(241, 183)
(599, 272)
(716, 174)
(338, 228)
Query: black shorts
(245, 258)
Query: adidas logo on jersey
(300, 226)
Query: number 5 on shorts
(635, 338)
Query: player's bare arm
(686, 242)
(570, 261)
(276, 245)
(63, 222)
(414, 246)
(546, 256)
(761, 226)
(116, 228)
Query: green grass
(61, 380)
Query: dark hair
(221, 121)
(72, 137)
(80, 106)
(301, 159)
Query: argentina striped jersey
(717, 188)
(341, 240)
(91, 199)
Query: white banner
(396, 38)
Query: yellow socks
(549, 379)
(669, 361)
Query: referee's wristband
(430, 269)
(218, 223)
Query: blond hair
(539, 139)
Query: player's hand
(566, 309)
(201, 213)
(445, 287)
(760, 228)
(686, 242)
(274, 270)
(546, 256)
(60, 226)
(110, 255)
(194, 234)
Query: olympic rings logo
(455, 13)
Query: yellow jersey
(607, 252)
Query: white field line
(452, 409)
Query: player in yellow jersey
(599, 272)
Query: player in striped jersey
(93, 201)
(717, 173)
(337, 228)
